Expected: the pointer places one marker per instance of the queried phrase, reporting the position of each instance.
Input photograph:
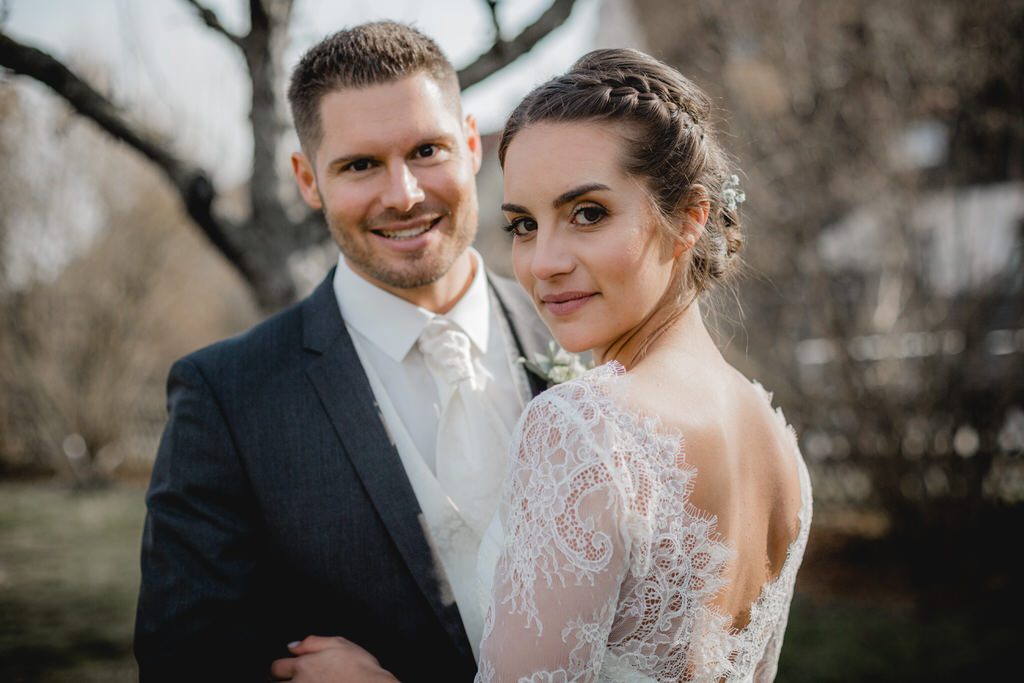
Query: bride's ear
(693, 220)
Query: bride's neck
(686, 332)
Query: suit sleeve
(197, 617)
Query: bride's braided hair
(670, 142)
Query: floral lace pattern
(607, 572)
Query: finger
(283, 669)
(311, 644)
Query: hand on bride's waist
(329, 660)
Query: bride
(656, 509)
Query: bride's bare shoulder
(731, 432)
(747, 471)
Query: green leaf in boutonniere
(557, 365)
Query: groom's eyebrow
(344, 159)
(572, 194)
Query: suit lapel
(346, 396)
(528, 331)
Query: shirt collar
(393, 324)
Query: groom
(331, 470)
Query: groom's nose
(403, 190)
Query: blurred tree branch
(191, 182)
(86, 342)
(209, 18)
(504, 52)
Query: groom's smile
(410, 235)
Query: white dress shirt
(385, 328)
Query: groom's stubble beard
(417, 269)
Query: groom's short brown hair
(368, 54)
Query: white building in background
(961, 238)
(968, 235)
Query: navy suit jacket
(278, 508)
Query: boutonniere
(557, 365)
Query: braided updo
(670, 144)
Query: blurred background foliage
(881, 148)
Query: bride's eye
(520, 227)
(588, 214)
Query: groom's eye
(359, 165)
(426, 151)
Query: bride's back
(653, 530)
(744, 457)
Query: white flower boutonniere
(557, 365)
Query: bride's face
(586, 243)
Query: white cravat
(386, 328)
(469, 427)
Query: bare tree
(85, 344)
(258, 245)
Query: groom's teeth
(404, 234)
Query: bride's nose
(551, 255)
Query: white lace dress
(599, 568)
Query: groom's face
(395, 176)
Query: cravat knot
(447, 351)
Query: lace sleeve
(768, 666)
(565, 554)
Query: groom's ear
(306, 180)
(473, 141)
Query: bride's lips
(564, 303)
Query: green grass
(842, 640)
(69, 577)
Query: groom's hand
(329, 660)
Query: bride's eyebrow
(572, 194)
(561, 199)
(514, 208)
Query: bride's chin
(573, 343)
